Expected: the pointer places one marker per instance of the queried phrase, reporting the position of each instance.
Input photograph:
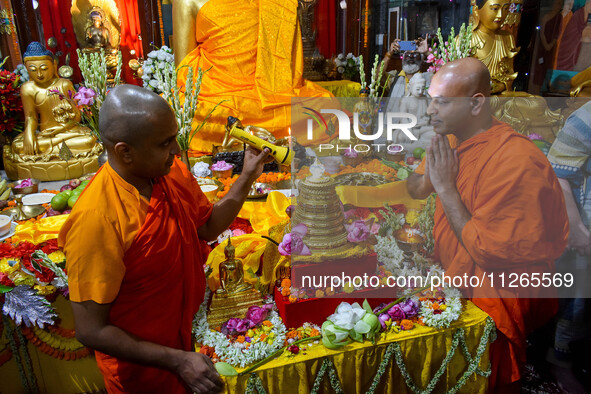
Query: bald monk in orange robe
(499, 209)
(133, 249)
(253, 54)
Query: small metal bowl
(210, 194)
(259, 190)
(34, 188)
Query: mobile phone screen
(407, 45)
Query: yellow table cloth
(423, 350)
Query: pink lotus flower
(396, 313)
(350, 153)
(358, 231)
(535, 136)
(410, 307)
(85, 96)
(255, 314)
(430, 58)
(289, 210)
(383, 319)
(293, 242)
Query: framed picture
(427, 21)
(393, 26)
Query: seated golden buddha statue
(494, 47)
(254, 60)
(53, 145)
(231, 273)
(234, 296)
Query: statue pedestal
(224, 307)
(55, 170)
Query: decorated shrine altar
(404, 358)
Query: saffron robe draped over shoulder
(518, 224)
(252, 51)
(150, 268)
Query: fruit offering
(68, 195)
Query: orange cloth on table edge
(163, 283)
(254, 58)
(505, 182)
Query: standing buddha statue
(494, 47)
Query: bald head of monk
(139, 130)
(459, 105)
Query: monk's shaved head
(129, 114)
(464, 78)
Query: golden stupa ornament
(234, 296)
(494, 47)
(52, 126)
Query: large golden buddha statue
(254, 60)
(494, 47)
(53, 145)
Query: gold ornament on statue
(52, 120)
(494, 47)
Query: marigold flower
(406, 324)
(285, 291)
(286, 283)
(267, 323)
(240, 339)
(314, 332)
(293, 299)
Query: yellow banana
(2, 185)
(5, 194)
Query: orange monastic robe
(518, 224)
(145, 260)
(253, 51)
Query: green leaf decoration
(366, 306)
(5, 289)
(225, 369)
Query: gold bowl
(209, 187)
(34, 188)
(408, 241)
(223, 174)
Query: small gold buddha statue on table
(494, 47)
(53, 145)
(231, 273)
(234, 296)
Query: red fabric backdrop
(130, 37)
(55, 15)
(326, 27)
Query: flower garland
(56, 342)
(234, 352)
(440, 312)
